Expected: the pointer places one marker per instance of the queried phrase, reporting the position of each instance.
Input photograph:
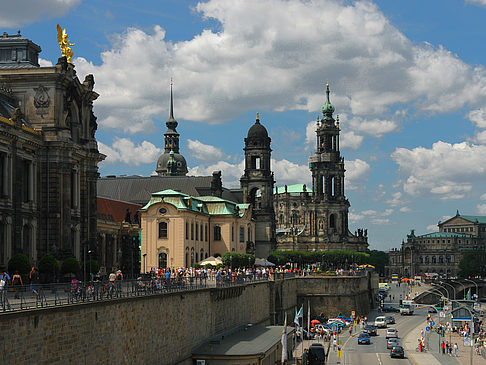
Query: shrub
(92, 266)
(196, 265)
(19, 262)
(70, 266)
(208, 266)
(48, 265)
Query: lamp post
(89, 259)
(144, 262)
(452, 286)
(463, 286)
(443, 287)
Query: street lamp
(144, 262)
(463, 286)
(452, 286)
(443, 287)
(477, 288)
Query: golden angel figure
(62, 39)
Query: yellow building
(179, 230)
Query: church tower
(175, 164)
(257, 185)
(327, 167)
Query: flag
(469, 294)
(308, 316)
(283, 341)
(298, 315)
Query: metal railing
(57, 294)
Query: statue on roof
(62, 39)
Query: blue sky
(407, 79)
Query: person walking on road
(334, 344)
(442, 347)
(455, 349)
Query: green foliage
(19, 262)
(379, 259)
(473, 264)
(92, 266)
(70, 266)
(219, 266)
(196, 265)
(327, 258)
(48, 265)
(208, 266)
(236, 259)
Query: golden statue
(62, 39)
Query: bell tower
(327, 167)
(257, 185)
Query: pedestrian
(34, 280)
(442, 347)
(455, 349)
(17, 283)
(334, 344)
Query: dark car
(392, 342)
(364, 338)
(390, 320)
(397, 351)
(390, 308)
(370, 329)
(432, 310)
(315, 355)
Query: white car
(391, 333)
(380, 322)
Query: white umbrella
(263, 262)
(214, 261)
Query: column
(31, 181)
(103, 250)
(5, 176)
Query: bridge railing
(56, 294)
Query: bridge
(453, 289)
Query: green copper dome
(327, 108)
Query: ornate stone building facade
(48, 155)
(257, 185)
(439, 252)
(318, 219)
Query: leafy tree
(236, 259)
(92, 266)
(473, 264)
(48, 265)
(71, 266)
(19, 262)
(379, 259)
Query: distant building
(439, 252)
(48, 155)
(179, 230)
(317, 218)
(118, 241)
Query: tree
(71, 266)
(236, 259)
(473, 264)
(48, 267)
(379, 259)
(19, 262)
(92, 266)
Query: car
(390, 319)
(316, 355)
(390, 308)
(391, 332)
(397, 351)
(336, 322)
(392, 342)
(432, 310)
(370, 329)
(364, 338)
(346, 319)
(380, 322)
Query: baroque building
(317, 218)
(257, 186)
(438, 252)
(48, 155)
(179, 230)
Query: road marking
(379, 360)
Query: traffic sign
(432, 323)
(442, 314)
(427, 328)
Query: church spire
(171, 122)
(327, 108)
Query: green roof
(444, 235)
(211, 205)
(474, 218)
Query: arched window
(433, 260)
(448, 259)
(201, 256)
(421, 260)
(162, 260)
(332, 222)
(426, 259)
(187, 230)
(441, 259)
(197, 232)
(162, 229)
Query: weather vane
(62, 39)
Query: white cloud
(350, 140)
(204, 152)
(44, 63)
(287, 173)
(481, 208)
(396, 199)
(124, 151)
(245, 65)
(375, 127)
(405, 210)
(478, 117)
(21, 12)
(483, 197)
(446, 170)
(432, 228)
(477, 2)
(230, 173)
(355, 217)
(356, 172)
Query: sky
(407, 79)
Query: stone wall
(158, 329)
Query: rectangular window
(242, 234)
(201, 233)
(197, 232)
(206, 233)
(232, 233)
(25, 180)
(192, 231)
(187, 230)
(163, 230)
(217, 233)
